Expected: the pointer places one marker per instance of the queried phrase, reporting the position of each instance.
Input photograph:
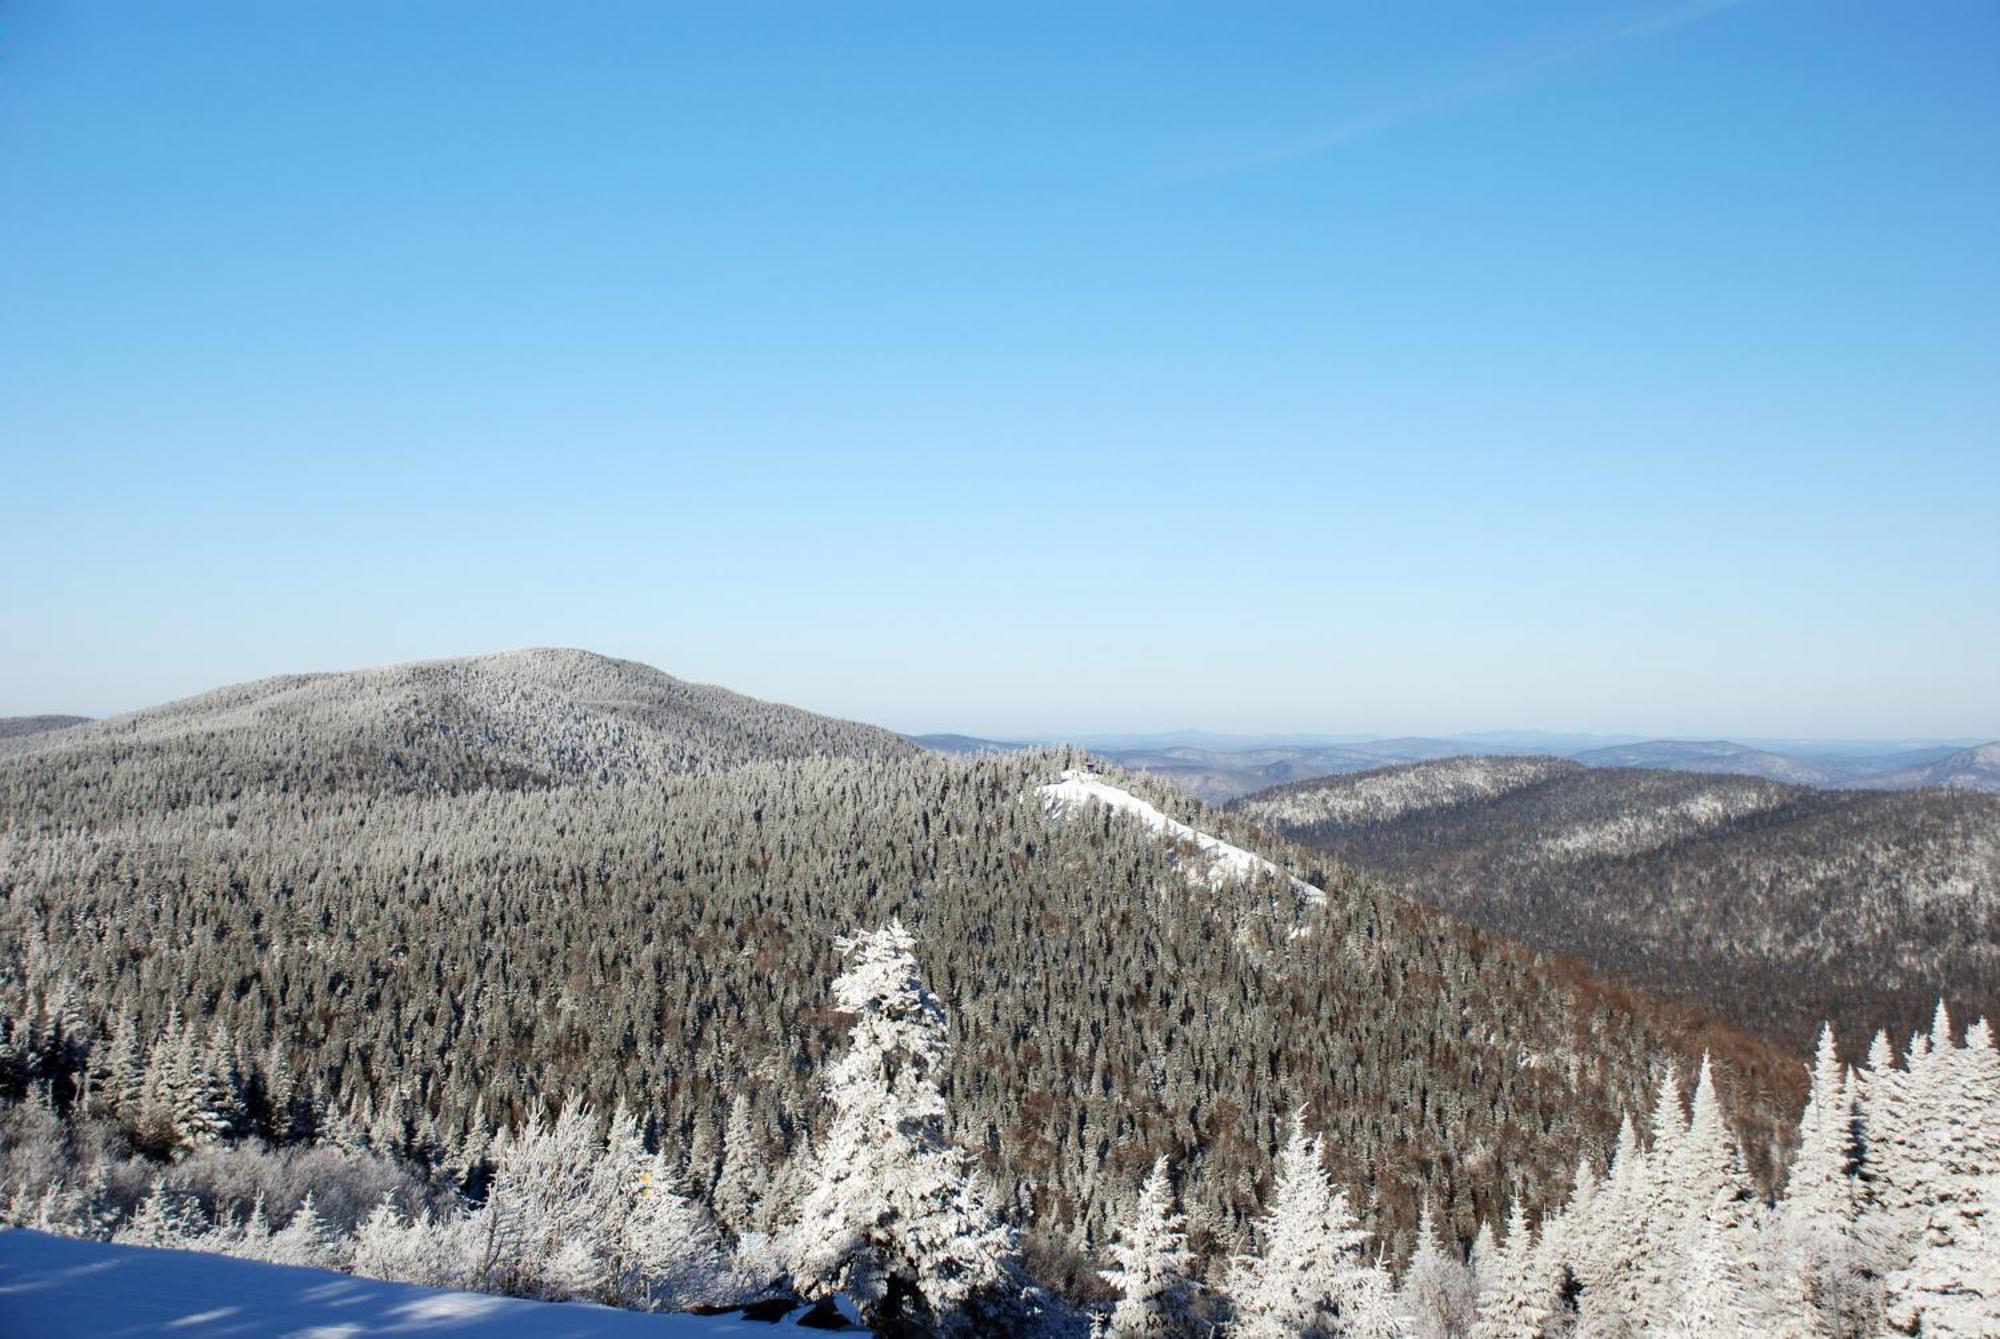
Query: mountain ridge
(535, 717)
(21, 727)
(1773, 905)
(1220, 775)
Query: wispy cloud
(1446, 98)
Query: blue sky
(1621, 366)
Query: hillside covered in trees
(1886, 1224)
(399, 909)
(1770, 905)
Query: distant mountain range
(1228, 768)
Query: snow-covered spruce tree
(1660, 1198)
(1480, 1262)
(1563, 1247)
(664, 1252)
(1368, 1308)
(543, 1235)
(1708, 1305)
(253, 1240)
(1438, 1299)
(1878, 1103)
(1152, 1260)
(1824, 1279)
(118, 1071)
(1715, 1193)
(740, 1185)
(182, 1104)
(165, 1218)
(897, 1218)
(1310, 1259)
(1600, 1248)
(306, 1240)
(1520, 1298)
(1948, 1279)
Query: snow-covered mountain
(1967, 769)
(1773, 905)
(1390, 793)
(518, 719)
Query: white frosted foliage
(896, 1217)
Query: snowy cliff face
(1213, 860)
(1391, 793)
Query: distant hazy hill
(1714, 756)
(1967, 769)
(959, 746)
(1223, 769)
(19, 727)
(1773, 905)
(1219, 776)
(516, 719)
(1964, 769)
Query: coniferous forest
(1777, 907)
(552, 975)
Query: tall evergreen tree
(1521, 1299)
(897, 1218)
(1820, 1270)
(1946, 1279)
(1309, 1258)
(740, 1186)
(1438, 1299)
(1152, 1259)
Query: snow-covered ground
(63, 1288)
(1220, 861)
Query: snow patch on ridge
(1221, 861)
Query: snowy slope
(1221, 861)
(1391, 793)
(63, 1288)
